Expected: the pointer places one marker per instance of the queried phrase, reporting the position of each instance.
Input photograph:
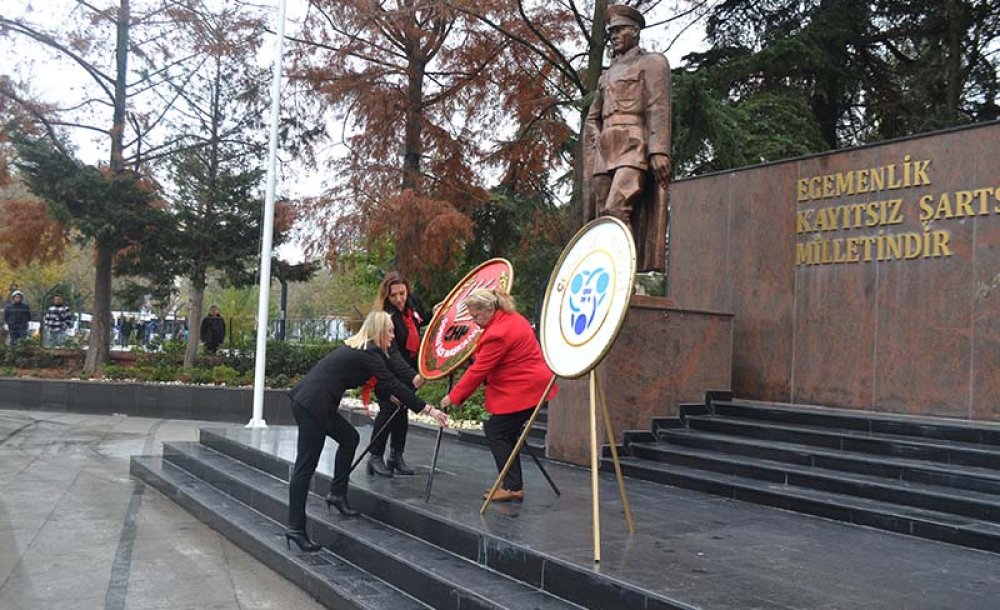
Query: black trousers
(312, 436)
(397, 428)
(501, 435)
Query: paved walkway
(76, 531)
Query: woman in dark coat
(408, 315)
(314, 405)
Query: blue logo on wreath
(587, 290)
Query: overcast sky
(58, 80)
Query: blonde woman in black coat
(314, 405)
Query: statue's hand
(660, 164)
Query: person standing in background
(58, 319)
(213, 329)
(152, 330)
(127, 328)
(16, 316)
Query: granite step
(943, 451)
(336, 583)
(912, 470)
(425, 571)
(929, 428)
(583, 586)
(908, 520)
(979, 505)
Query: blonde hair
(376, 324)
(490, 298)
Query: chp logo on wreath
(451, 335)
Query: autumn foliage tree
(28, 233)
(414, 85)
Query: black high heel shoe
(302, 540)
(340, 502)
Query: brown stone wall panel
(662, 357)
(986, 290)
(986, 321)
(698, 270)
(762, 263)
(833, 348)
(924, 343)
(568, 422)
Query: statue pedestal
(663, 356)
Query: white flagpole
(257, 421)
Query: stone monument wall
(867, 278)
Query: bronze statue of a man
(627, 140)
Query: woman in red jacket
(509, 360)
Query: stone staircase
(919, 476)
(397, 554)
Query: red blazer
(510, 361)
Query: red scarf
(412, 336)
(412, 346)
(366, 391)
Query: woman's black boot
(377, 466)
(396, 463)
(301, 538)
(340, 502)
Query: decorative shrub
(281, 381)
(114, 371)
(204, 376)
(224, 375)
(28, 354)
(166, 373)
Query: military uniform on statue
(662, 354)
(627, 140)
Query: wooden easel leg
(594, 481)
(517, 447)
(614, 458)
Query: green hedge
(286, 364)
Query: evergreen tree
(787, 77)
(115, 210)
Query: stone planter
(125, 357)
(156, 400)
